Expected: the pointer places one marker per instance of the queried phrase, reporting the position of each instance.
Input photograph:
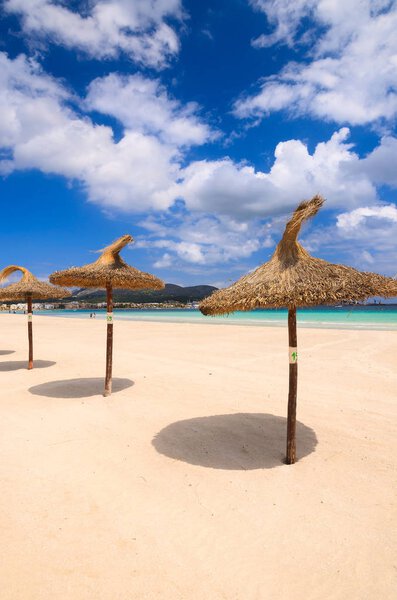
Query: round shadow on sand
(4, 352)
(78, 388)
(240, 441)
(15, 365)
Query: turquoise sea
(380, 317)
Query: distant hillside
(170, 292)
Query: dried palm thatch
(109, 271)
(28, 285)
(28, 288)
(293, 278)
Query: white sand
(92, 508)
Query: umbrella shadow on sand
(4, 352)
(242, 441)
(15, 365)
(82, 387)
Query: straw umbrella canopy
(109, 271)
(28, 288)
(293, 278)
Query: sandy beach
(174, 487)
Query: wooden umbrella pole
(293, 386)
(30, 330)
(109, 340)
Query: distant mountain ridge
(171, 292)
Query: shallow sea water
(379, 317)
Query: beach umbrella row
(108, 271)
(291, 279)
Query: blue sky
(197, 127)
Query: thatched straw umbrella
(27, 289)
(109, 271)
(293, 278)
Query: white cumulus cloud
(350, 73)
(366, 237)
(352, 221)
(105, 28)
(333, 169)
(204, 239)
(144, 169)
(144, 105)
(43, 132)
(148, 169)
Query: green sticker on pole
(30, 317)
(109, 317)
(293, 355)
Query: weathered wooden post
(293, 386)
(109, 340)
(30, 330)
